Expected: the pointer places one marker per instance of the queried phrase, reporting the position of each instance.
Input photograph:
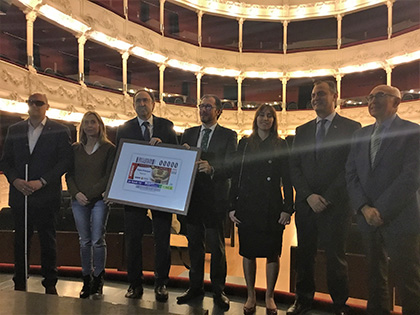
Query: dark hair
(331, 84)
(102, 137)
(152, 96)
(217, 101)
(274, 126)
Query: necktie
(205, 139)
(375, 143)
(146, 133)
(320, 135)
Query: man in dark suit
(383, 179)
(44, 146)
(323, 215)
(209, 200)
(154, 130)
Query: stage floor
(113, 302)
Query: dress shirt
(385, 125)
(328, 122)
(202, 133)
(150, 120)
(35, 133)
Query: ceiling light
(323, 9)
(113, 122)
(13, 106)
(404, 58)
(360, 68)
(109, 41)
(30, 3)
(350, 4)
(214, 5)
(300, 11)
(264, 74)
(183, 65)
(233, 9)
(222, 72)
(254, 11)
(138, 51)
(274, 13)
(63, 19)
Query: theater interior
(93, 55)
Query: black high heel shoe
(250, 310)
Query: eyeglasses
(379, 96)
(35, 102)
(206, 106)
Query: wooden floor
(113, 301)
(234, 263)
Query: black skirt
(253, 243)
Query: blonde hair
(102, 137)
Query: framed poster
(157, 177)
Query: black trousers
(329, 230)
(404, 254)
(135, 219)
(199, 234)
(43, 219)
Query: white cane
(26, 229)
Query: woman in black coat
(261, 209)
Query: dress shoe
(20, 287)
(161, 293)
(189, 295)
(298, 308)
(250, 310)
(271, 311)
(51, 290)
(344, 310)
(134, 292)
(222, 301)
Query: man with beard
(317, 169)
(209, 200)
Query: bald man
(383, 180)
(43, 145)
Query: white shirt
(202, 133)
(328, 122)
(35, 133)
(150, 120)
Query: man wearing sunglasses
(43, 145)
(209, 201)
(383, 180)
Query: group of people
(337, 169)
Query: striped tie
(375, 143)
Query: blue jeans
(91, 224)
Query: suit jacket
(392, 184)
(162, 129)
(211, 193)
(50, 159)
(326, 175)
